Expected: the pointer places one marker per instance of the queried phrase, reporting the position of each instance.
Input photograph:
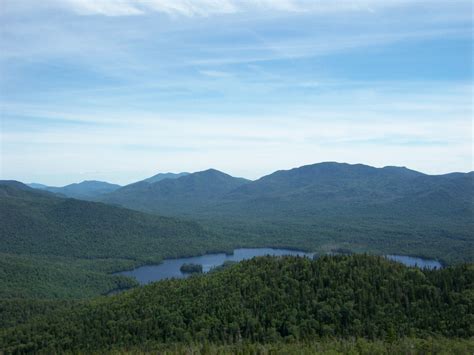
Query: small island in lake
(191, 268)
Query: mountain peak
(162, 176)
(332, 168)
(92, 183)
(19, 189)
(15, 184)
(218, 175)
(176, 195)
(86, 189)
(211, 171)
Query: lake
(170, 268)
(413, 261)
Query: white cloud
(97, 94)
(390, 127)
(204, 8)
(191, 8)
(216, 73)
(240, 146)
(137, 7)
(102, 7)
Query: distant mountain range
(311, 190)
(327, 205)
(83, 190)
(162, 176)
(303, 192)
(182, 195)
(90, 189)
(342, 189)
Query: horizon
(225, 172)
(118, 91)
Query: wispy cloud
(393, 126)
(243, 86)
(191, 8)
(103, 7)
(138, 7)
(215, 73)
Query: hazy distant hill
(34, 185)
(326, 205)
(334, 188)
(84, 190)
(187, 193)
(162, 176)
(325, 188)
(14, 187)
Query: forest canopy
(266, 300)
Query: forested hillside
(59, 247)
(56, 247)
(266, 300)
(324, 207)
(329, 188)
(178, 196)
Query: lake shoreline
(170, 268)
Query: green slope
(347, 191)
(265, 300)
(180, 196)
(325, 188)
(55, 247)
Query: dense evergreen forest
(269, 300)
(52, 247)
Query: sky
(119, 90)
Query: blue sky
(119, 90)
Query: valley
(61, 255)
(322, 208)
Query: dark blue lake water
(170, 268)
(418, 262)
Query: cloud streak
(375, 128)
(123, 89)
(200, 8)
